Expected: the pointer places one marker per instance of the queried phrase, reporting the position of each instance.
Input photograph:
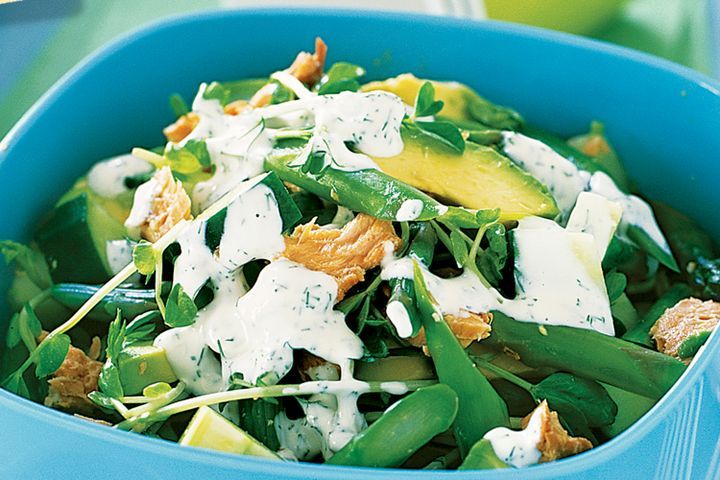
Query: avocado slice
(209, 429)
(479, 178)
(143, 365)
(74, 240)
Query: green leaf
(142, 328)
(363, 315)
(459, 248)
(482, 456)
(587, 396)
(615, 282)
(101, 400)
(341, 76)
(12, 338)
(180, 310)
(425, 103)
(190, 158)
(487, 216)
(116, 337)
(492, 260)
(692, 344)
(28, 260)
(460, 217)
(29, 325)
(145, 257)
(50, 355)
(109, 380)
(16, 384)
(643, 240)
(178, 105)
(446, 132)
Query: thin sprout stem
(254, 393)
(502, 373)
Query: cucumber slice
(74, 240)
(209, 429)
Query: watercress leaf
(460, 217)
(28, 260)
(459, 248)
(29, 325)
(180, 310)
(447, 132)
(16, 384)
(101, 400)
(586, 395)
(692, 344)
(116, 337)
(487, 216)
(344, 85)
(109, 381)
(145, 257)
(142, 328)
(188, 159)
(425, 103)
(50, 355)
(492, 260)
(363, 315)
(341, 76)
(178, 105)
(615, 283)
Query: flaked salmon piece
(596, 146)
(343, 253)
(237, 107)
(176, 132)
(170, 205)
(467, 329)
(77, 376)
(555, 442)
(308, 68)
(687, 318)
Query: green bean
(368, 191)
(131, 302)
(641, 332)
(588, 354)
(402, 429)
(421, 248)
(481, 408)
(482, 457)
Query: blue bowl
(663, 119)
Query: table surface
(41, 40)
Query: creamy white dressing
(635, 210)
(400, 318)
(558, 277)
(119, 254)
(518, 448)
(297, 436)
(409, 210)
(564, 180)
(598, 216)
(107, 178)
(142, 206)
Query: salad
(395, 273)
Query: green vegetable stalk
(402, 429)
(481, 408)
(588, 354)
(132, 302)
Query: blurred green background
(41, 39)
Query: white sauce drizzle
(558, 278)
(518, 448)
(635, 211)
(598, 216)
(107, 178)
(119, 254)
(409, 210)
(564, 180)
(142, 206)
